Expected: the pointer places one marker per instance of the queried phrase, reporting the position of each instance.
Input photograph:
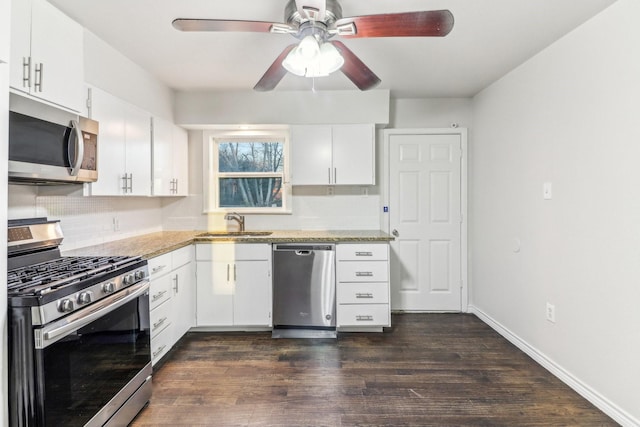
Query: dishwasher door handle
(303, 253)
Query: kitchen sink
(235, 234)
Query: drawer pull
(367, 318)
(158, 295)
(158, 268)
(363, 295)
(364, 274)
(160, 350)
(159, 322)
(364, 253)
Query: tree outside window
(248, 173)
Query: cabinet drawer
(160, 344)
(363, 315)
(159, 265)
(362, 252)
(160, 318)
(233, 252)
(363, 293)
(181, 256)
(160, 290)
(374, 271)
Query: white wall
(296, 107)
(568, 116)
(111, 71)
(431, 112)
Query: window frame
(211, 176)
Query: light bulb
(330, 59)
(309, 48)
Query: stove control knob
(65, 306)
(139, 274)
(84, 298)
(129, 279)
(108, 287)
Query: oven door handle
(53, 332)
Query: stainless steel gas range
(79, 336)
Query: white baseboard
(602, 403)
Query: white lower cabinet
(233, 285)
(362, 294)
(171, 299)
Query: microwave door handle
(79, 148)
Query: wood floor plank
(428, 370)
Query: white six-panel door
(425, 214)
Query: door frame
(384, 199)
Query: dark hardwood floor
(428, 370)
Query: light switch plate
(547, 191)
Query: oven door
(91, 364)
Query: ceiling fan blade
(184, 24)
(434, 23)
(311, 9)
(355, 69)
(275, 73)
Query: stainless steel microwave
(50, 145)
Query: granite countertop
(155, 244)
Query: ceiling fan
(314, 23)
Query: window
(248, 172)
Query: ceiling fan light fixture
(310, 59)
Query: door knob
(395, 233)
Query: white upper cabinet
(333, 155)
(124, 147)
(170, 159)
(4, 31)
(46, 54)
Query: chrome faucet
(236, 217)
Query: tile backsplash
(88, 220)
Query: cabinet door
(311, 155)
(109, 112)
(162, 157)
(57, 51)
(354, 154)
(20, 42)
(252, 299)
(214, 303)
(184, 301)
(181, 161)
(138, 150)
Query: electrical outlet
(551, 312)
(330, 191)
(116, 224)
(365, 191)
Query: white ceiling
(489, 38)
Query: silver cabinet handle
(395, 233)
(335, 175)
(364, 295)
(39, 70)
(235, 276)
(364, 253)
(125, 187)
(131, 183)
(363, 318)
(158, 268)
(364, 273)
(159, 322)
(176, 185)
(158, 295)
(79, 148)
(228, 267)
(175, 286)
(160, 350)
(329, 172)
(26, 71)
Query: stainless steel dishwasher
(304, 290)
